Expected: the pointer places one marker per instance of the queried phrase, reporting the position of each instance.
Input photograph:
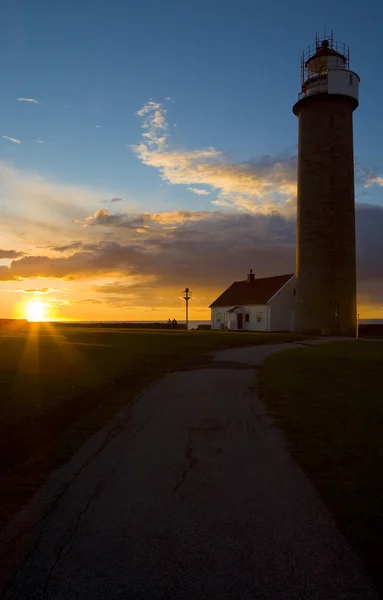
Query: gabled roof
(258, 291)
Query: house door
(239, 320)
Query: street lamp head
(186, 294)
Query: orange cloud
(255, 186)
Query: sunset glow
(35, 310)
(115, 198)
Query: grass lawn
(329, 402)
(58, 384)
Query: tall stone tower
(326, 270)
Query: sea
(371, 321)
(192, 324)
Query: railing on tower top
(311, 50)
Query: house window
(259, 317)
(218, 317)
(247, 318)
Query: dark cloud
(105, 217)
(76, 245)
(202, 250)
(199, 248)
(112, 200)
(87, 301)
(10, 254)
(6, 275)
(104, 259)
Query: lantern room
(325, 58)
(325, 69)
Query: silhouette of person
(174, 323)
(169, 323)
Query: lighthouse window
(350, 79)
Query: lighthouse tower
(326, 271)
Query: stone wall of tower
(326, 271)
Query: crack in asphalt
(112, 434)
(189, 455)
(76, 527)
(189, 452)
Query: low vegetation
(58, 384)
(329, 402)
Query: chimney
(250, 276)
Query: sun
(35, 311)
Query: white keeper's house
(266, 304)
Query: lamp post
(186, 295)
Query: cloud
(37, 290)
(11, 139)
(205, 250)
(154, 116)
(77, 245)
(6, 275)
(153, 121)
(149, 221)
(198, 191)
(262, 185)
(181, 244)
(31, 100)
(40, 141)
(10, 254)
(374, 180)
(103, 217)
(112, 200)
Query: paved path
(189, 494)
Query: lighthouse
(325, 259)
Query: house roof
(258, 291)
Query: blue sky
(230, 69)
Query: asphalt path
(189, 493)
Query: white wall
(231, 320)
(253, 324)
(343, 82)
(254, 310)
(337, 81)
(282, 308)
(219, 310)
